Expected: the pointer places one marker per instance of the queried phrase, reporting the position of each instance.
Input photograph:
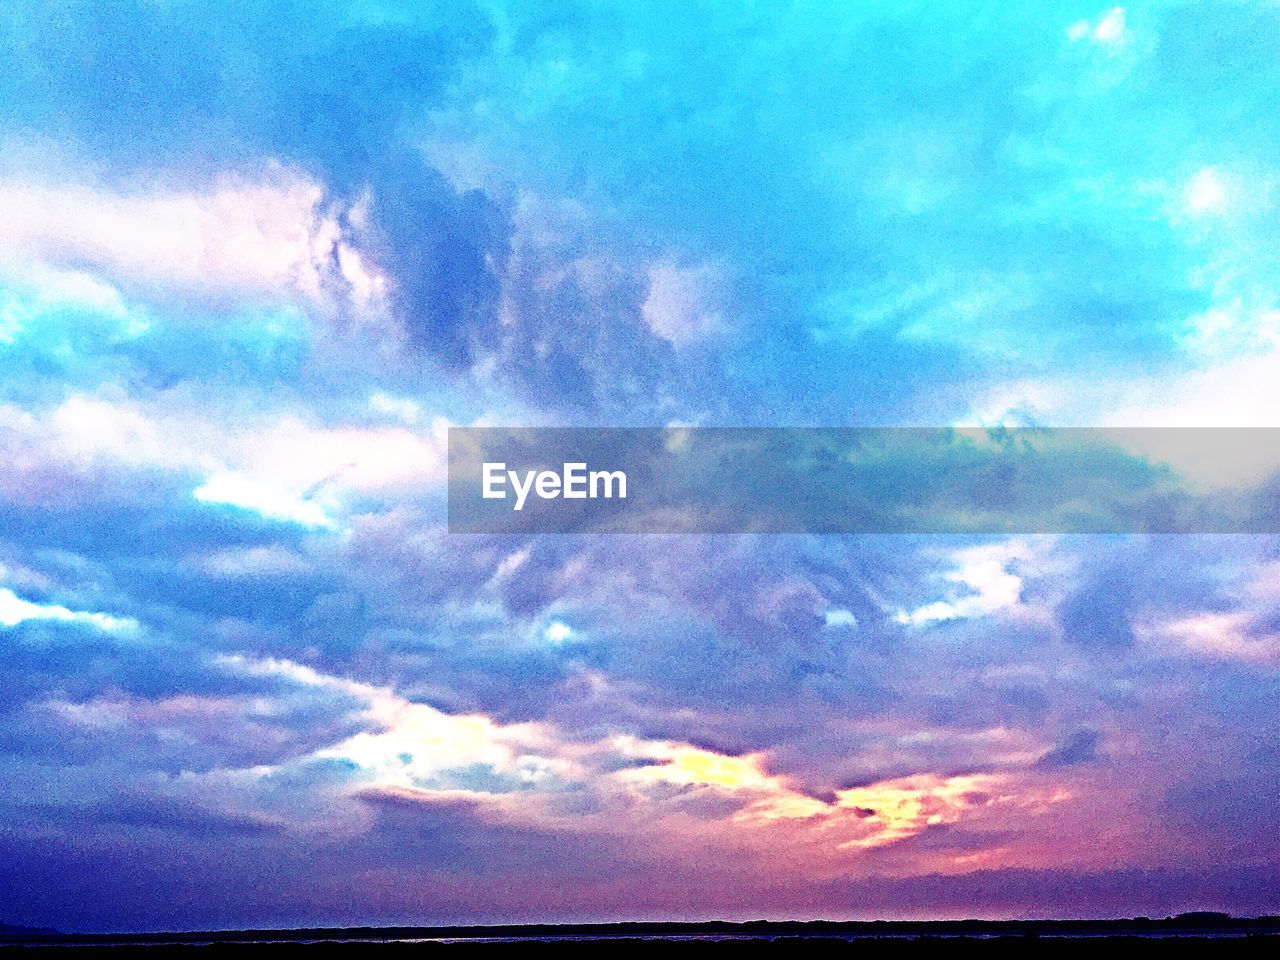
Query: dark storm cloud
(1080, 747)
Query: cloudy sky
(253, 264)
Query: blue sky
(253, 265)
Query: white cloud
(87, 436)
(15, 610)
(1211, 459)
(511, 563)
(368, 460)
(1215, 636)
(266, 499)
(683, 304)
(1206, 192)
(401, 408)
(283, 468)
(988, 581)
(1026, 403)
(265, 561)
(839, 617)
(84, 428)
(557, 632)
(1242, 392)
(296, 472)
(271, 238)
(411, 744)
(1108, 30)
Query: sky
(254, 263)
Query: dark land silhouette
(1200, 927)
